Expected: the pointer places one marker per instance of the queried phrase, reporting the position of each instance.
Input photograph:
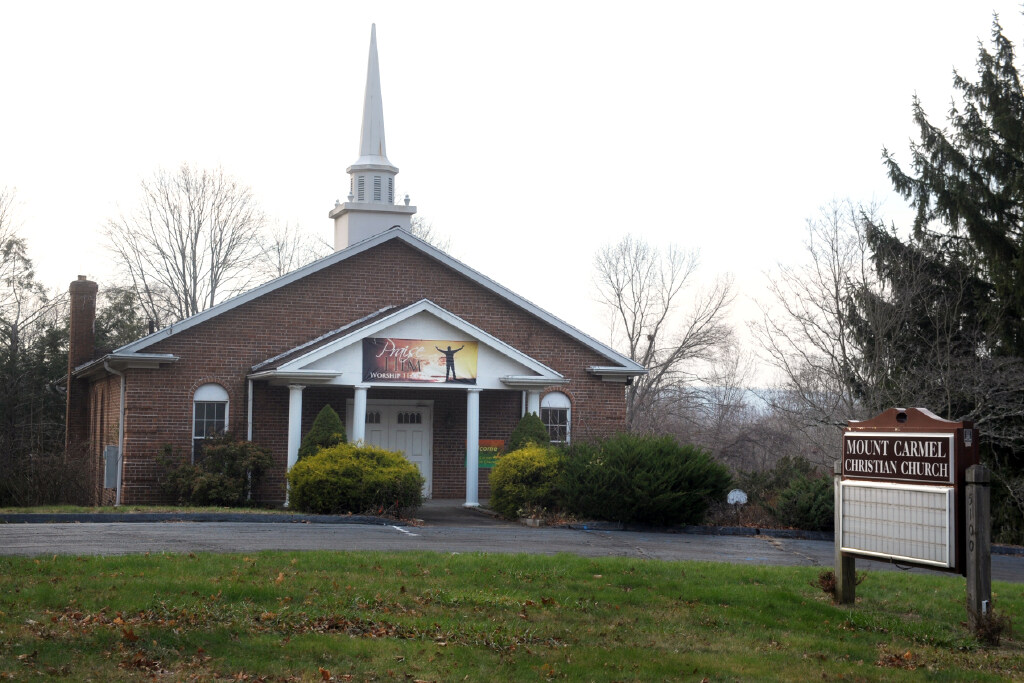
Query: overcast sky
(531, 133)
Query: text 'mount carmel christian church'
(416, 351)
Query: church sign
(908, 458)
(443, 361)
(900, 491)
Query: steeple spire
(371, 207)
(372, 148)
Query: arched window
(209, 415)
(555, 412)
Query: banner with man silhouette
(386, 359)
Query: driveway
(446, 527)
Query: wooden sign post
(979, 546)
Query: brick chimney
(81, 343)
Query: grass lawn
(320, 616)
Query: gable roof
(318, 342)
(295, 362)
(621, 363)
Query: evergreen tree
(944, 326)
(327, 430)
(967, 184)
(531, 429)
(33, 341)
(120, 319)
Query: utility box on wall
(110, 464)
(901, 493)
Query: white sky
(530, 132)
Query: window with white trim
(376, 188)
(555, 413)
(209, 416)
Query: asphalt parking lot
(445, 527)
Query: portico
(390, 361)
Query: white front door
(404, 427)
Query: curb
(796, 534)
(265, 518)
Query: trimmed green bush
(525, 478)
(327, 430)
(226, 475)
(350, 478)
(530, 429)
(642, 479)
(807, 503)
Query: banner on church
(441, 361)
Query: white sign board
(907, 522)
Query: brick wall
(222, 350)
(103, 409)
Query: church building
(416, 351)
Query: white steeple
(371, 207)
(372, 149)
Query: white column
(533, 402)
(294, 427)
(359, 414)
(294, 422)
(472, 448)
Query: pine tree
(327, 430)
(967, 184)
(530, 429)
(946, 323)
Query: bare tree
(23, 300)
(8, 235)
(288, 247)
(645, 292)
(805, 330)
(191, 243)
(424, 229)
(851, 333)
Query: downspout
(248, 418)
(120, 432)
(248, 433)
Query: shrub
(529, 430)
(353, 478)
(645, 479)
(764, 486)
(226, 475)
(38, 479)
(807, 503)
(524, 478)
(327, 430)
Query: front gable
(406, 348)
